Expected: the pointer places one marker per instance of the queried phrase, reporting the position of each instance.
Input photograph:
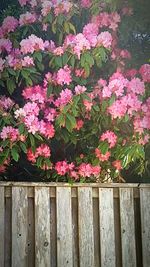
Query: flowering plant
(69, 105)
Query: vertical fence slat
(107, 234)
(42, 227)
(2, 223)
(127, 227)
(19, 226)
(85, 222)
(145, 224)
(64, 227)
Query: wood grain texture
(64, 228)
(42, 227)
(19, 226)
(85, 222)
(107, 234)
(2, 224)
(127, 227)
(145, 223)
(8, 231)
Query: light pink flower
(104, 39)
(5, 45)
(64, 76)
(136, 86)
(80, 89)
(8, 132)
(27, 18)
(9, 24)
(61, 167)
(27, 61)
(86, 3)
(110, 137)
(31, 44)
(43, 151)
(2, 61)
(100, 156)
(117, 164)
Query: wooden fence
(88, 225)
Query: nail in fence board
(107, 235)
(19, 226)
(127, 227)
(85, 222)
(64, 227)
(42, 227)
(145, 223)
(2, 224)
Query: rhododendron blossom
(110, 137)
(8, 132)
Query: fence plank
(2, 223)
(127, 227)
(19, 226)
(107, 234)
(64, 228)
(42, 227)
(145, 223)
(85, 222)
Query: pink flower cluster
(32, 44)
(8, 132)
(64, 76)
(105, 19)
(145, 72)
(9, 25)
(65, 97)
(100, 156)
(6, 103)
(83, 170)
(42, 151)
(27, 18)
(5, 45)
(110, 137)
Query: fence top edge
(96, 185)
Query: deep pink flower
(43, 151)
(86, 3)
(61, 167)
(5, 45)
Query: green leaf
(11, 71)
(49, 90)
(72, 27)
(58, 61)
(10, 85)
(104, 147)
(65, 59)
(23, 147)
(15, 154)
(72, 61)
(25, 73)
(32, 140)
(70, 122)
(38, 56)
(21, 128)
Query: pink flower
(64, 76)
(104, 39)
(118, 109)
(50, 131)
(46, 7)
(31, 44)
(43, 151)
(111, 138)
(87, 170)
(86, 3)
(80, 89)
(23, 2)
(5, 45)
(100, 156)
(32, 123)
(9, 24)
(88, 105)
(79, 124)
(117, 164)
(145, 72)
(65, 97)
(136, 86)
(90, 31)
(80, 44)
(125, 54)
(31, 156)
(27, 18)
(35, 94)
(8, 132)
(6, 103)
(61, 167)
(27, 61)
(58, 51)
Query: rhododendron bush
(70, 107)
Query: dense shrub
(70, 105)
